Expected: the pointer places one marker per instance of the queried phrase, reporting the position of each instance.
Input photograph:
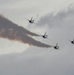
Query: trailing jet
(44, 36)
(72, 41)
(56, 47)
(31, 20)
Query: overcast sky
(56, 17)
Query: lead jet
(72, 41)
(56, 47)
(31, 20)
(44, 36)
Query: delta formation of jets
(45, 35)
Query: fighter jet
(72, 41)
(56, 47)
(44, 36)
(31, 20)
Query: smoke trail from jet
(12, 31)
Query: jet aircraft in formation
(30, 20)
(56, 46)
(45, 35)
(72, 41)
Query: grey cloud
(59, 19)
(43, 63)
(7, 1)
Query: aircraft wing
(31, 18)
